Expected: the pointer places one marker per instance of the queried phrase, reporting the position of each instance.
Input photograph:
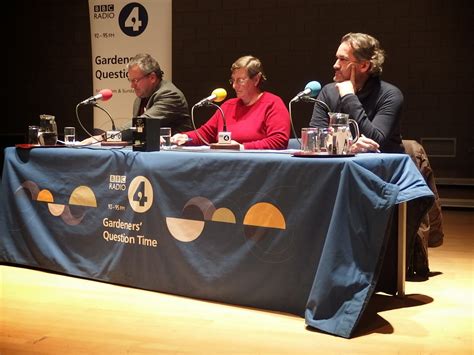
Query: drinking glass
(165, 137)
(33, 132)
(69, 136)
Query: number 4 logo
(140, 194)
(133, 19)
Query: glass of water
(33, 133)
(69, 136)
(165, 137)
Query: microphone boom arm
(312, 99)
(194, 125)
(108, 114)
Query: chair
(429, 233)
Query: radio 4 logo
(118, 182)
(133, 19)
(103, 12)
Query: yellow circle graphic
(265, 214)
(83, 196)
(45, 196)
(223, 214)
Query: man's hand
(92, 140)
(365, 145)
(348, 86)
(179, 139)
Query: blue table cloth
(300, 235)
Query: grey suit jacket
(169, 105)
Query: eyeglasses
(137, 80)
(239, 81)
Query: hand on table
(179, 139)
(365, 145)
(91, 140)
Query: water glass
(69, 136)
(33, 132)
(314, 140)
(48, 132)
(309, 140)
(165, 137)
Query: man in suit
(156, 97)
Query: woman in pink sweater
(256, 119)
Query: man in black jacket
(358, 91)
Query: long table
(307, 236)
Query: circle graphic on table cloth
(195, 213)
(140, 194)
(223, 214)
(199, 208)
(266, 233)
(264, 214)
(81, 198)
(31, 187)
(28, 191)
(184, 230)
(73, 215)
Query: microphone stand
(230, 145)
(95, 104)
(194, 125)
(82, 126)
(92, 136)
(110, 135)
(291, 120)
(227, 145)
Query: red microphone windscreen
(106, 94)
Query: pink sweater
(264, 125)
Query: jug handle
(356, 129)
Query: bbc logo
(104, 8)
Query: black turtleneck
(376, 108)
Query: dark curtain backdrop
(429, 46)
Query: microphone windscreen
(315, 88)
(106, 94)
(220, 94)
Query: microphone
(103, 95)
(217, 95)
(224, 140)
(311, 89)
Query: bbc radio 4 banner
(119, 30)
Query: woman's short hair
(252, 64)
(366, 47)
